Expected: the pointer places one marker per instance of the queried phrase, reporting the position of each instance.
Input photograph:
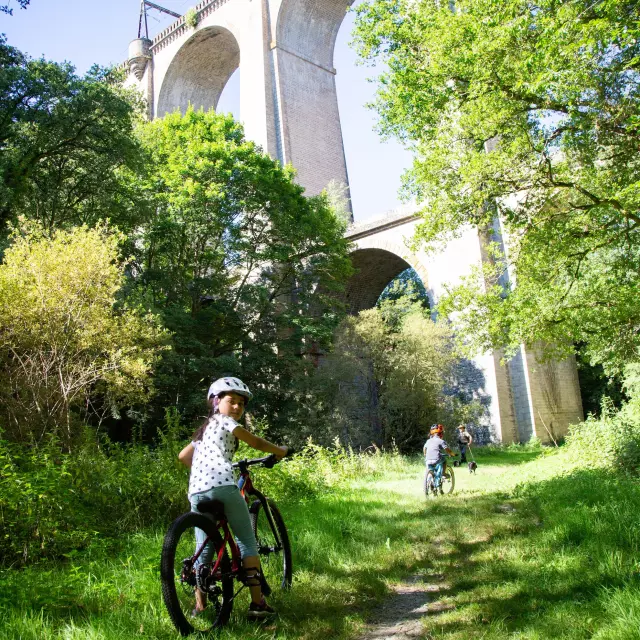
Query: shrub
(191, 18)
(62, 339)
(53, 503)
(613, 440)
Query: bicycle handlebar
(268, 461)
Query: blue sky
(85, 32)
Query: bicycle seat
(214, 507)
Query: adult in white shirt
(464, 441)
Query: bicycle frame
(245, 484)
(247, 488)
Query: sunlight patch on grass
(529, 547)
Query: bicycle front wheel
(448, 481)
(274, 547)
(180, 578)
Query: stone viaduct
(288, 105)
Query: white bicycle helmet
(229, 385)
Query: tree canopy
(238, 262)
(528, 113)
(67, 144)
(219, 243)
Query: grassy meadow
(532, 546)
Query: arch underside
(199, 71)
(309, 28)
(374, 270)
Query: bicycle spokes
(182, 577)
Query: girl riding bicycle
(209, 456)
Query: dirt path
(399, 617)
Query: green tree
(67, 144)
(240, 264)
(392, 373)
(339, 200)
(408, 287)
(528, 113)
(63, 340)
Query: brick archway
(199, 71)
(375, 268)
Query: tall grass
(341, 556)
(533, 546)
(53, 505)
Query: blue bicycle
(447, 480)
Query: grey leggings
(237, 513)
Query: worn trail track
(399, 617)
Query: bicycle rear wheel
(448, 481)
(274, 547)
(180, 578)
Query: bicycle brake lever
(271, 461)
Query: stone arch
(375, 268)
(199, 71)
(309, 28)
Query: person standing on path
(464, 441)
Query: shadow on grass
(546, 563)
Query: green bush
(316, 469)
(64, 338)
(53, 504)
(191, 18)
(613, 440)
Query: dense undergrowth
(533, 546)
(540, 543)
(53, 505)
(613, 440)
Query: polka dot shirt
(211, 465)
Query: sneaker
(259, 611)
(196, 613)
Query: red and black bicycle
(178, 571)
